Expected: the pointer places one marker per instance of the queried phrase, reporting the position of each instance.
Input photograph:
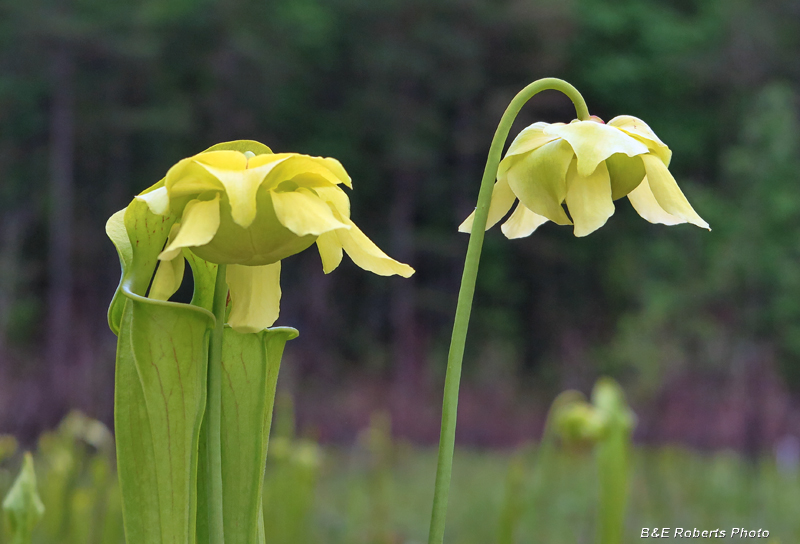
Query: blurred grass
(672, 487)
(379, 491)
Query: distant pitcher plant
(195, 383)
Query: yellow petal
(539, 180)
(532, 137)
(589, 199)
(241, 187)
(642, 132)
(667, 193)
(255, 296)
(330, 251)
(335, 197)
(645, 204)
(168, 278)
(337, 169)
(267, 158)
(594, 142)
(303, 212)
(298, 165)
(222, 159)
(626, 174)
(502, 199)
(506, 164)
(199, 224)
(522, 223)
(189, 178)
(369, 256)
(157, 200)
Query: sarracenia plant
(195, 383)
(22, 506)
(586, 164)
(606, 424)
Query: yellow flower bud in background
(587, 165)
(251, 209)
(579, 422)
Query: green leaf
(250, 364)
(160, 387)
(160, 394)
(22, 505)
(135, 453)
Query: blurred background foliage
(98, 99)
(377, 491)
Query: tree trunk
(62, 143)
(402, 311)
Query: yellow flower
(588, 165)
(249, 211)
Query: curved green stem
(467, 290)
(213, 411)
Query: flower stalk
(213, 411)
(467, 291)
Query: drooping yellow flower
(249, 211)
(587, 165)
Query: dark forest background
(98, 99)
